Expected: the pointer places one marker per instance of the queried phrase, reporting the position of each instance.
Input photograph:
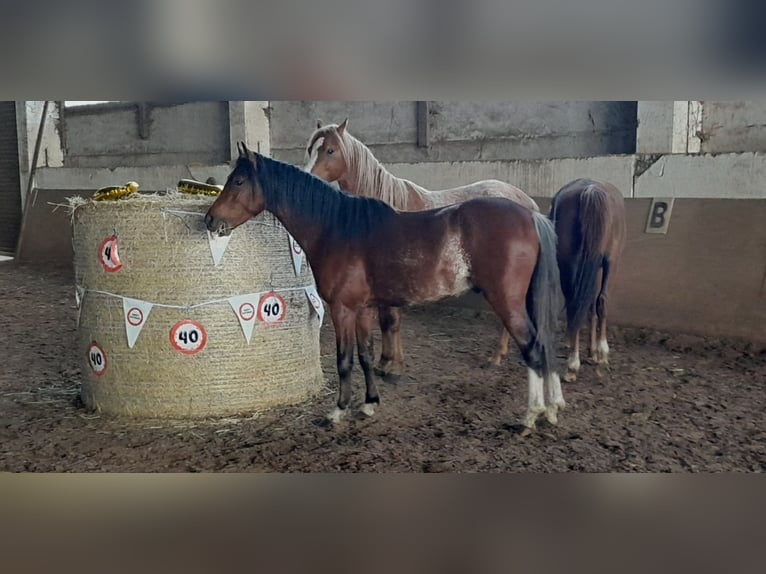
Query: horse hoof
(368, 409)
(570, 377)
(551, 415)
(526, 432)
(491, 364)
(336, 415)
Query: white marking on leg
(336, 415)
(603, 347)
(536, 404)
(558, 395)
(573, 362)
(368, 409)
(313, 155)
(555, 398)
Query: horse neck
(304, 228)
(367, 177)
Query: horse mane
(285, 186)
(374, 180)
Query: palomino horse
(590, 226)
(333, 154)
(364, 254)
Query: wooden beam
(421, 118)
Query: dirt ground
(668, 403)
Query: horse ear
(319, 124)
(241, 149)
(342, 127)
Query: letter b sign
(659, 215)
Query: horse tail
(543, 296)
(580, 292)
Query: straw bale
(166, 259)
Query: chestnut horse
(364, 254)
(334, 155)
(589, 217)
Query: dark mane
(345, 216)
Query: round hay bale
(161, 262)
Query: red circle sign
(272, 309)
(188, 337)
(246, 312)
(296, 248)
(135, 316)
(108, 256)
(97, 359)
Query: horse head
(241, 197)
(325, 152)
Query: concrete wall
(463, 131)
(733, 126)
(112, 135)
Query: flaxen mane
(369, 173)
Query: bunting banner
(297, 253)
(315, 301)
(218, 244)
(135, 312)
(244, 307)
(78, 294)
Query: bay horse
(589, 217)
(364, 254)
(334, 155)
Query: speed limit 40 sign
(272, 309)
(188, 337)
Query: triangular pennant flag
(78, 293)
(135, 312)
(245, 308)
(218, 244)
(297, 253)
(316, 302)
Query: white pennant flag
(316, 302)
(245, 308)
(218, 244)
(135, 312)
(297, 253)
(78, 293)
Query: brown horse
(333, 154)
(590, 223)
(364, 254)
(589, 217)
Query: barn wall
(114, 135)
(463, 131)
(733, 126)
(707, 276)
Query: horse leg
(386, 351)
(390, 366)
(513, 313)
(573, 361)
(602, 356)
(593, 328)
(502, 348)
(364, 344)
(344, 321)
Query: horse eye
(330, 151)
(239, 181)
